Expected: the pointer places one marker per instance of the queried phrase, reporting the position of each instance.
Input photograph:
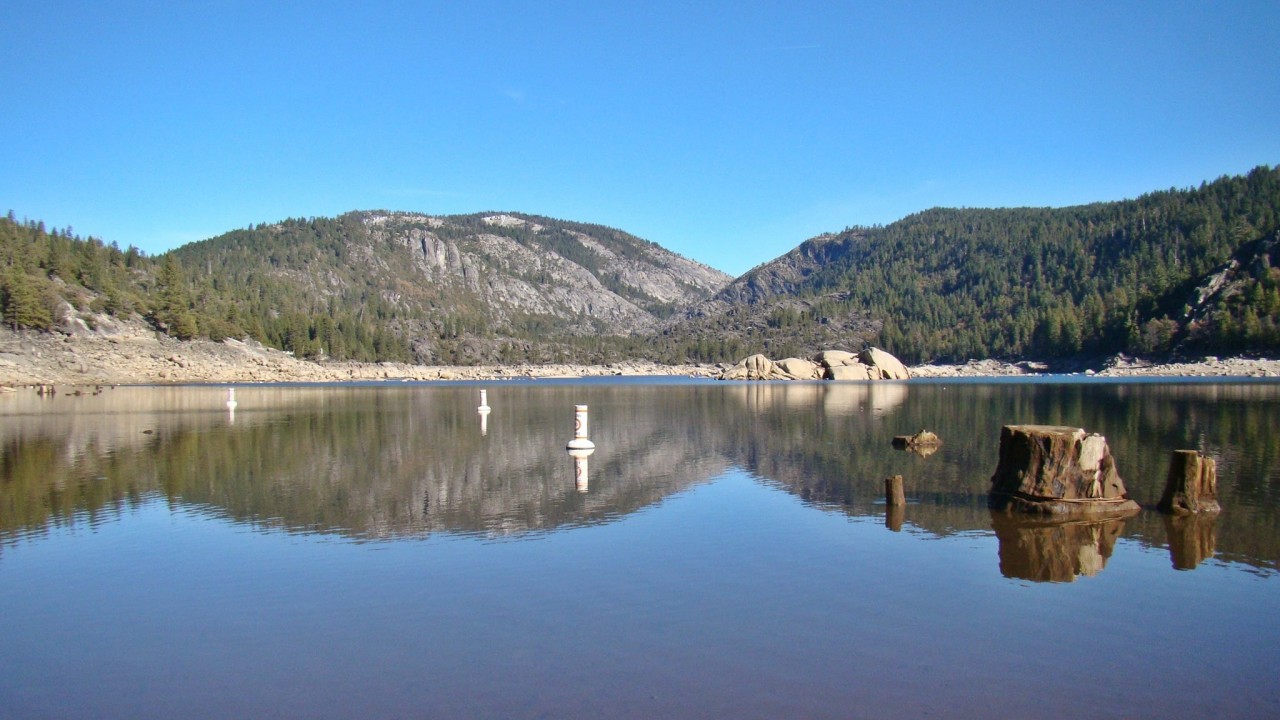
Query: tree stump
(1191, 486)
(1053, 470)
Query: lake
(389, 551)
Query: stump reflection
(1191, 538)
(1054, 551)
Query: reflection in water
(407, 461)
(721, 601)
(580, 471)
(1054, 551)
(894, 516)
(1191, 538)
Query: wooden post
(893, 495)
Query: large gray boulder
(835, 358)
(884, 365)
(856, 371)
(800, 369)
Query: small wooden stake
(893, 495)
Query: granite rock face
(1056, 470)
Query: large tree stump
(1053, 470)
(1192, 485)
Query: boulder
(883, 365)
(835, 358)
(856, 371)
(1056, 470)
(1191, 486)
(800, 369)
(755, 367)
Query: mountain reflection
(370, 463)
(404, 461)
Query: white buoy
(231, 404)
(484, 411)
(580, 441)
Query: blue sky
(728, 132)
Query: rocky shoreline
(121, 354)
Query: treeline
(49, 276)
(44, 270)
(949, 284)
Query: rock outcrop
(1053, 470)
(870, 364)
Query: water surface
(368, 551)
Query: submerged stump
(1191, 486)
(1053, 470)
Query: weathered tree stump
(1192, 485)
(1053, 470)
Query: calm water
(337, 552)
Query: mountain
(471, 288)
(1191, 269)
(1195, 270)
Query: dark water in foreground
(368, 552)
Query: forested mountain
(372, 286)
(1178, 269)
(1191, 270)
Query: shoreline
(134, 355)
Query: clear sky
(729, 132)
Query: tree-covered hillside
(1191, 269)
(369, 286)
